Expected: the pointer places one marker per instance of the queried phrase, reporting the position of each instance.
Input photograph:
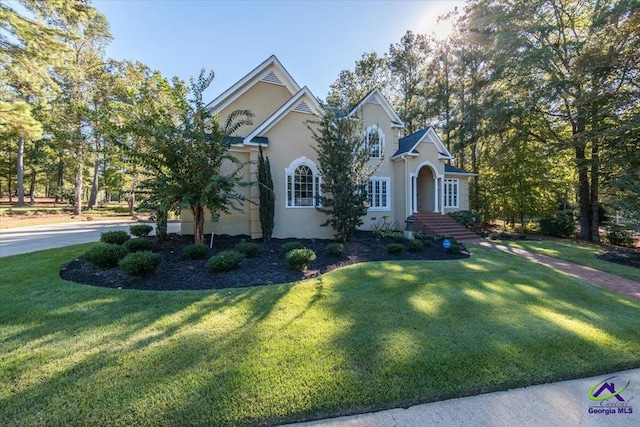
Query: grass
(579, 253)
(361, 338)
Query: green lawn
(361, 338)
(579, 253)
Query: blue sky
(314, 40)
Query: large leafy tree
(345, 167)
(188, 152)
(579, 58)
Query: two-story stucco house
(413, 175)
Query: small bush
(249, 249)
(225, 261)
(395, 248)
(398, 237)
(140, 263)
(532, 227)
(618, 235)
(194, 252)
(105, 255)
(559, 225)
(335, 250)
(289, 246)
(137, 245)
(377, 234)
(454, 249)
(115, 237)
(299, 259)
(466, 218)
(416, 245)
(140, 230)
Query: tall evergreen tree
(345, 168)
(267, 196)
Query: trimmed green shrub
(139, 244)
(618, 235)
(416, 245)
(395, 248)
(559, 225)
(335, 250)
(249, 249)
(299, 259)
(195, 252)
(454, 249)
(224, 261)
(398, 237)
(105, 255)
(466, 218)
(140, 230)
(377, 234)
(115, 237)
(289, 246)
(140, 263)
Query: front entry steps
(441, 225)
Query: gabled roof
(376, 96)
(301, 102)
(409, 144)
(452, 170)
(270, 71)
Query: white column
(414, 194)
(435, 194)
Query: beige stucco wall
(374, 114)
(463, 201)
(291, 139)
(262, 99)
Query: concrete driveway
(22, 240)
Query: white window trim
(289, 173)
(370, 129)
(447, 184)
(387, 200)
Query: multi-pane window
(451, 193)
(374, 141)
(303, 186)
(378, 192)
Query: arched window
(374, 141)
(303, 184)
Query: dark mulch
(268, 268)
(629, 258)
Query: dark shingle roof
(407, 143)
(453, 169)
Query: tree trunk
(584, 193)
(32, 186)
(20, 170)
(93, 198)
(161, 225)
(198, 224)
(593, 198)
(132, 193)
(77, 197)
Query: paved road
(22, 240)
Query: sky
(314, 40)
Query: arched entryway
(425, 189)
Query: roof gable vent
(302, 107)
(271, 77)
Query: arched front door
(425, 190)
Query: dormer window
(374, 141)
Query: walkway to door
(618, 284)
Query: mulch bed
(268, 268)
(629, 258)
